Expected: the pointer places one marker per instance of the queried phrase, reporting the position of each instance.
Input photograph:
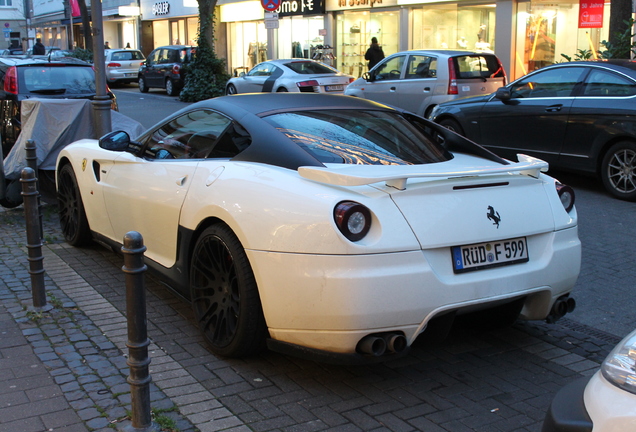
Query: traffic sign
(270, 5)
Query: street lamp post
(101, 102)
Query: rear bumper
(567, 413)
(330, 302)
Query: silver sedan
(290, 75)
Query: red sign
(591, 13)
(270, 5)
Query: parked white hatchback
(604, 403)
(122, 65)
(418, 80)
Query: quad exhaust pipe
(382, 343)
(563, 305)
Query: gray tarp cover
(55, 123)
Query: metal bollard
(138, 361)
(34, 236)
(32, 162)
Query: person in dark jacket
(374, 54)
(38, 48)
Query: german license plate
(338, 87)
(481, 256)
(130, 74)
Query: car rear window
(478, 66)
(127, 55)
(55, 80)
(359, 137)
(305, 67)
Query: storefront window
(546, 31)
(178, 32)
(353, 37)
(299, 37)
(452, 26)
(247, 44)
(160, 33)
(193, 30)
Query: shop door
(177, 32)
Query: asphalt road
(605, 291)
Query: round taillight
(566, 195)
(353, 220)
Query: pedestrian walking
(38, 48)
(374, 54)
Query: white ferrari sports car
(327, 226)
(290, 75)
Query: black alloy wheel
(618, 170)
(224, 294)
(142, 85)
(72, 215)
(452, 125)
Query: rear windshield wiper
(50, 91)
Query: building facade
(526, 35)
(13, 21)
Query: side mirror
(368, 77)
(242, 74)
(115, 141)
(503, 94)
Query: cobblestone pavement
(73, 377)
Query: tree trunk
(86, 25)
(620, 11)
(206, 26)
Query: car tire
(281, 90)
(73, 219)
(142, 85)
(171, 88)
(618, 170)
(231, 89)
(224, 295)
(452, 125)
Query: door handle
(181, 181)
(427, 89)
(554, 108)
(393, 88)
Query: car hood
(458, 194)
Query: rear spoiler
(358, 175)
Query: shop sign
(161, 8)
(333, 5)
(591, 13)
(301, 7)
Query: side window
(165, 56)
(191, 136)
(602, 83)
(263, 69)
(153, 58)
(558, 82)
(390, 69)
(421, 67)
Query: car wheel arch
(624, 186)
(605, 146)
